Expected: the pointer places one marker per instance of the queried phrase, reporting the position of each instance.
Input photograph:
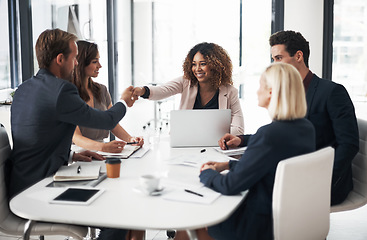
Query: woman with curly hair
(206, 84)
(97, 96)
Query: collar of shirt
(307, 80)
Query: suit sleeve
(167, 89)
(344, 122)
(243, 175)
(72, 109)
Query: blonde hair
(288, 100)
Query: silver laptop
(193, 128)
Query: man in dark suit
(329, 108)
(45, 112)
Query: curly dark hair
(87, 51)
(218, 61)
(293, 41)
(51, 43)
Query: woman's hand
(139, 140)
(138, 92)
(230, 141)
(113, 146)
(87, 156)
(216, 166)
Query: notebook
(125, 153)
(77, 171)
(195, 128)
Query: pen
(198, 194)
(225, 144)
(78, 169)
(129, 143)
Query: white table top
(120, 206)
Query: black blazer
(331, 111)
(44, 114)
(256, 171)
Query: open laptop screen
(194, 128)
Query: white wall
(306, 17)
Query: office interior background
(144, 42)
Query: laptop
(198, 128)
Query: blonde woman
(289, 134)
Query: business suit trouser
(112, 234)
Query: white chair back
(301, 196)
(358, 196)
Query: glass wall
(154, 38)
(164, 32)
(5, 79)
(350, 47)
(86, 19)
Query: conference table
(122, 205)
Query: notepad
(77, 172)
(126, 152)
(233, 151)
(203, 195)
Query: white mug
(149, 183)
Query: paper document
(202, 195)
(126, 152)
(139, 154)
(231, 152)
(193, 160)
(76, 172)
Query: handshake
(131, 94)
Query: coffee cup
(113, 167)
(149, 183)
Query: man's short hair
(293, 42)
(51, 43)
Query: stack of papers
(77, 172)
(231, 152)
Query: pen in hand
(198, 194)
(78, 170)
(129, 143)
(225, 144)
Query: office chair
(301, 196)
(358, 196)
(14, 225)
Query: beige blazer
(228, 99)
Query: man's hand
(128, 96)
(230, 141)
(86, 156)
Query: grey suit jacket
(44, 114)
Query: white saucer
(156, 192)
